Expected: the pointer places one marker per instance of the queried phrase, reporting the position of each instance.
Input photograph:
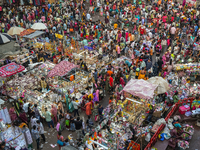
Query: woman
(142, 74)
(88, 108)
(61, 138)
(95, 110)
(54, 113)
(12, 113)
(23, 117)
(60, 105)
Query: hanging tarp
(33, 35)
(140, 88)
(11, 69)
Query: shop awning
(33, 35)
(62, 69)
(10, 69)
(140, 88)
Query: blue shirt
(49, 5)
(35, 134)
(128, 63)
(137, 52)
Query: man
(90, 124)
(75, 104)
(78, 126)
(41, 130)
(37, 113)
(36, 136)
(148, 65)
(47, 116)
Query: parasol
(5, 38)
(15, 30)
(163, 85)
(39, 26)
(10, 69)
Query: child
(66, 142)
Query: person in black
(78, 127)
(160, 63)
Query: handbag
(67, 122)
(59, 142)
(71, 30)
(96, 117)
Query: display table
(161, 145)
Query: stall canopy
(33, 35)
(10, 69)
(140, 88)
(162, 85)
(62, 69)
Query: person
(54, 113)
(88, 108)
(78, 126)
(33, 121)
(66, 142)
(41, 130)
(25, 106)
(100, 110)
(75, 104)
(36, 136)
(95, 110)
(12, 113)
(47, 116)
(67, 120)
(37, 113)
(61, 138)
(89, 124)
(175, 97)
(23, 117)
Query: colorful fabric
(11, 69)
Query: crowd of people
(154, 34)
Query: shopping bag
(67, 123)
(96, 117)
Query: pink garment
(29, 17)
(132, 56)
(121, 81)
(90, 2)
(97, 95)
(43, 18)
(168, 42)
(12, 114)
(54, 113)
(126, 36)
(119, 37)
(118, 50)
(58, 126)
(184, 2)
(164, 60)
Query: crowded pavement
(94, 74)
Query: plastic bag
(148, 137)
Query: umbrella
(5, 38)
(15, 30)
(163, 85)
(39, 26)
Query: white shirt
(88, 16)
(75, 104)
(25, 107)
(41, 131)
